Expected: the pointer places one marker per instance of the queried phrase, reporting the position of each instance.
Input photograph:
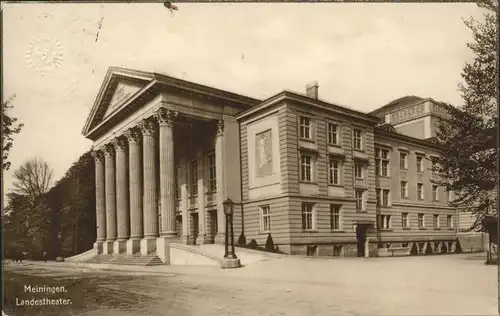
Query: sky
(362, 55)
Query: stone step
(149, 260)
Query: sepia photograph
(230, 158)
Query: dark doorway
(361, 238)
(194, 226)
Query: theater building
(322, 179)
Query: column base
(133, 246)
(107, 248)
(98, 245)
(186, 240)
(163, 248)
(230, 263)
(202, 240)
(148, 245)
(119, 246)
(220, 238)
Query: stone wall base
(119, 246)
(148, 245)
(133, 246)
(107, 248)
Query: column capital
(148, 126)
(220, 127)
(120, 143)
(109, 149)
(165, 116)
(98, 154)
(133, 135)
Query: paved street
(434, 285)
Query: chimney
(312, 90)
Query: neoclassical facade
(321, 179)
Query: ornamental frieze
(407, 113)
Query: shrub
(269, 243)
(253, 244)
(414, 250)
(242, 241)
(428, 249)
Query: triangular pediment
(119, 86)
(123, 91)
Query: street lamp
(230, 260)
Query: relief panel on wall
(264, 153)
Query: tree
(467, 138)
(33, 178)
(10, 127)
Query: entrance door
(361, 238)
(194, 227)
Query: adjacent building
(320, 178)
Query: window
(436, 220)
(333, 171)
(359, 200)
(404, 189)
(334, 217)
(421, 222)
(193, 171)
(385, 197)
(381, 162)
(449, 196)
(435, 196)
(420, 191)
(308, 216)
(333, 134)
(177, 182)
(306, 167)
(212, 178)
(358, 171)
(305, 127)
(265, 218)
(405, 220)
(449, 221)
(357, 139)
(384, 221)
(433, 164)
(337, 250)
(403, 160)
(378, 193)
(420, 164)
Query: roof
(301, 98)
(403, 101)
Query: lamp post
(230, 260)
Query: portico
(159, 150)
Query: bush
(269, 243)
(253, 244)
(428, 249)
(444, 249)
(242, 241)
(414, 250)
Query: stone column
(184, 201)
(135, 189)
(219, 162)
(100, 198)
(201, 239)
(150, 201)
(110, 182)
(122, 209)
(167, 171)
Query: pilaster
(202, 173)
(184, 204)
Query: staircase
(134, 260)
